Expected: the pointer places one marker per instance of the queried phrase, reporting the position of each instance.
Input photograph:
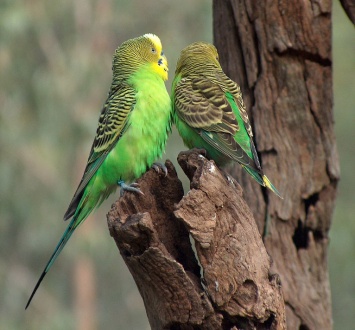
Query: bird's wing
(202, 103)
(234, 95)
(113, 122)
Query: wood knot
(247, 294)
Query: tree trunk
(230, 286)
(280, 54)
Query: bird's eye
(162, 53)
(154, 50)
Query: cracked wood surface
(230, 285)
(279, 52)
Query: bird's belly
(140, 145)
(129, 159)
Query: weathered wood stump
(198, 260)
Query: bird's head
(143, 50)
(197, 56)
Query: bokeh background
(55, 71)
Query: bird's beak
(163, 63)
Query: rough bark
(280, 54)
(230, 286)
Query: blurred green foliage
(55, 64)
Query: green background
(55, 71)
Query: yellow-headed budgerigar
(132, 131)
(209, 111)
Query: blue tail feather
(64, 239)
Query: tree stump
(198, 261)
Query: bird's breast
(145, 137)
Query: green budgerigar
(209, 111)
(133, 128)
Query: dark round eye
(154, 50)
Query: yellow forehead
(154, 39)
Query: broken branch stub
(230, 285)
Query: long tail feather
(262, 180)
(89, 200)
(269, 185)
(64, 239)
(255, 175)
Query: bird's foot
(201, 151)
(133, 187)
(160, 167)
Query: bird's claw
(200, 151)
(159, 166)
(133, 187)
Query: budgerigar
(209, 111)
(132, 131)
